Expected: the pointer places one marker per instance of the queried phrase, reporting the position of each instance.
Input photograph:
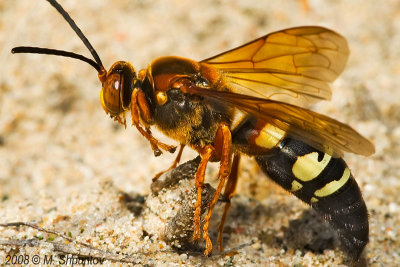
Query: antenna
(49, 51)
(97, 64)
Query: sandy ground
(66, 167)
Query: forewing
(293, 65)
(313, 128)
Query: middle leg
(222, 146)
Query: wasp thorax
(117, 88)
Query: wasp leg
(137, 101)
(174, 163)
(228, 194)
(205, 154)
(222, 152)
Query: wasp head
(117, 87)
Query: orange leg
(137, 100)
(228, 194)
(206, 154)
(174, 163)
(222, 151)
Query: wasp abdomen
(325, 183)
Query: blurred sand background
(63, 163)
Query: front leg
(138, 102)
(174, 163)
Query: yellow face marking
(296, 186)
(308, 167)
(269, 136)
(313, 200)
(333, 186)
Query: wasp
(252, 100)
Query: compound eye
(161, 98)
(111, 94)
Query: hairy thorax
(191, 120)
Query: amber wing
(293, 65)
(317, 130)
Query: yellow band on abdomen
(269, 136)
(333, 186)
(308, 167)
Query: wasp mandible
(271, 81)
